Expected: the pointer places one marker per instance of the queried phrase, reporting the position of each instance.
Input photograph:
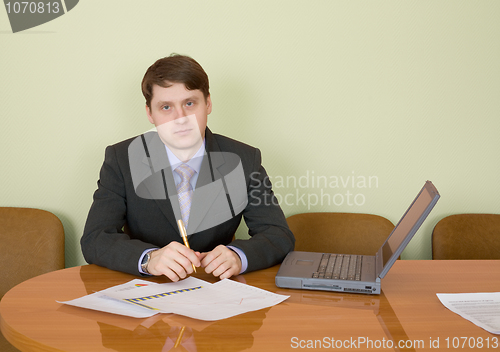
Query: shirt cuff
(141, 258)
(243, 258)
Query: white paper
(483, 309)
(102, 302)
(190, 297)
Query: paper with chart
(100, 301)
(483, 309)
(190, 297)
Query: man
(183, 172)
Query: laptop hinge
(378, 263)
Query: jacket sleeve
(104, 242)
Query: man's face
(180, 116)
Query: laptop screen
(409, 224)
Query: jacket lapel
(163, 179)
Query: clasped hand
(175, 262)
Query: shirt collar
(194, 163)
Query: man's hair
(175, 69)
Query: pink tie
(185, 191)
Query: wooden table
(407, 311)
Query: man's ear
(209, 105)
(148, 112)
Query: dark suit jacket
(152, 222)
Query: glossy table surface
(407, 313)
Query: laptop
(356, 273)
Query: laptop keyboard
(339, 267)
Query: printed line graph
(139, 300)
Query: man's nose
(181, 116)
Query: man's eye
(189, 103)
(166, 107)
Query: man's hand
(174, 261)
(221, 262)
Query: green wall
(386, 93)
